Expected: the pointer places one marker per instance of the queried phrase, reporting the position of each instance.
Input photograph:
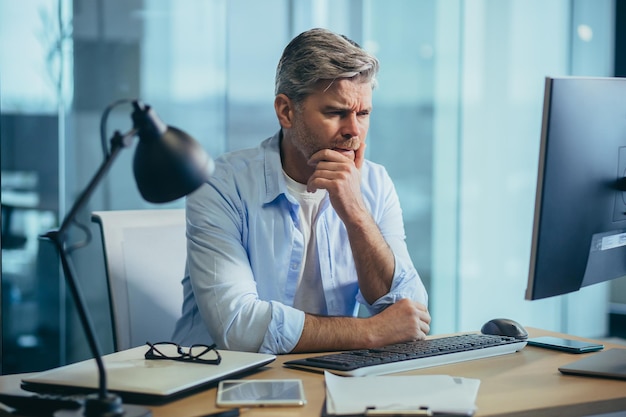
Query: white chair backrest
(145, 255)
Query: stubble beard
(308, 143)
(305, 141)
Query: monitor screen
(579, 231)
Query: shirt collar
(275, 184)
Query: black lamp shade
(168, 163)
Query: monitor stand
(609, 363)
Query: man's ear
(284, 110)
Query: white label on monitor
(613, 241)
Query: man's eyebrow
(332, 108)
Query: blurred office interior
(456, 121)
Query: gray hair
(319, 54)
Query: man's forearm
(402, 321)
(373, 258)
(334, 333)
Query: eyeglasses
(195, 353)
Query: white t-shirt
(310, 293)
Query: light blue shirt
(245, 250)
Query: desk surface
(523, 383)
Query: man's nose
(350, 127)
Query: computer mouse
(505, 327)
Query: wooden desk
(520, 384)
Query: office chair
(145, 255)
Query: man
(286, 240)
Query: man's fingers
(359, 156)
(327, 155)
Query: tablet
(260, 393)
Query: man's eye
(344, 114)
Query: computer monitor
(579, 233)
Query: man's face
(334, 117)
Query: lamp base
(128, 410)
(111, 406)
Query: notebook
(607, 364)
(139, 380)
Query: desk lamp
(168, 164)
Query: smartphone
(260, 393)
(565, 345)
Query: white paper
(438, 393)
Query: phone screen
(260, 392)
(566, 345)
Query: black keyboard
(411, 355)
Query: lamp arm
(118, 142)
(86, 323)
(58, 237)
